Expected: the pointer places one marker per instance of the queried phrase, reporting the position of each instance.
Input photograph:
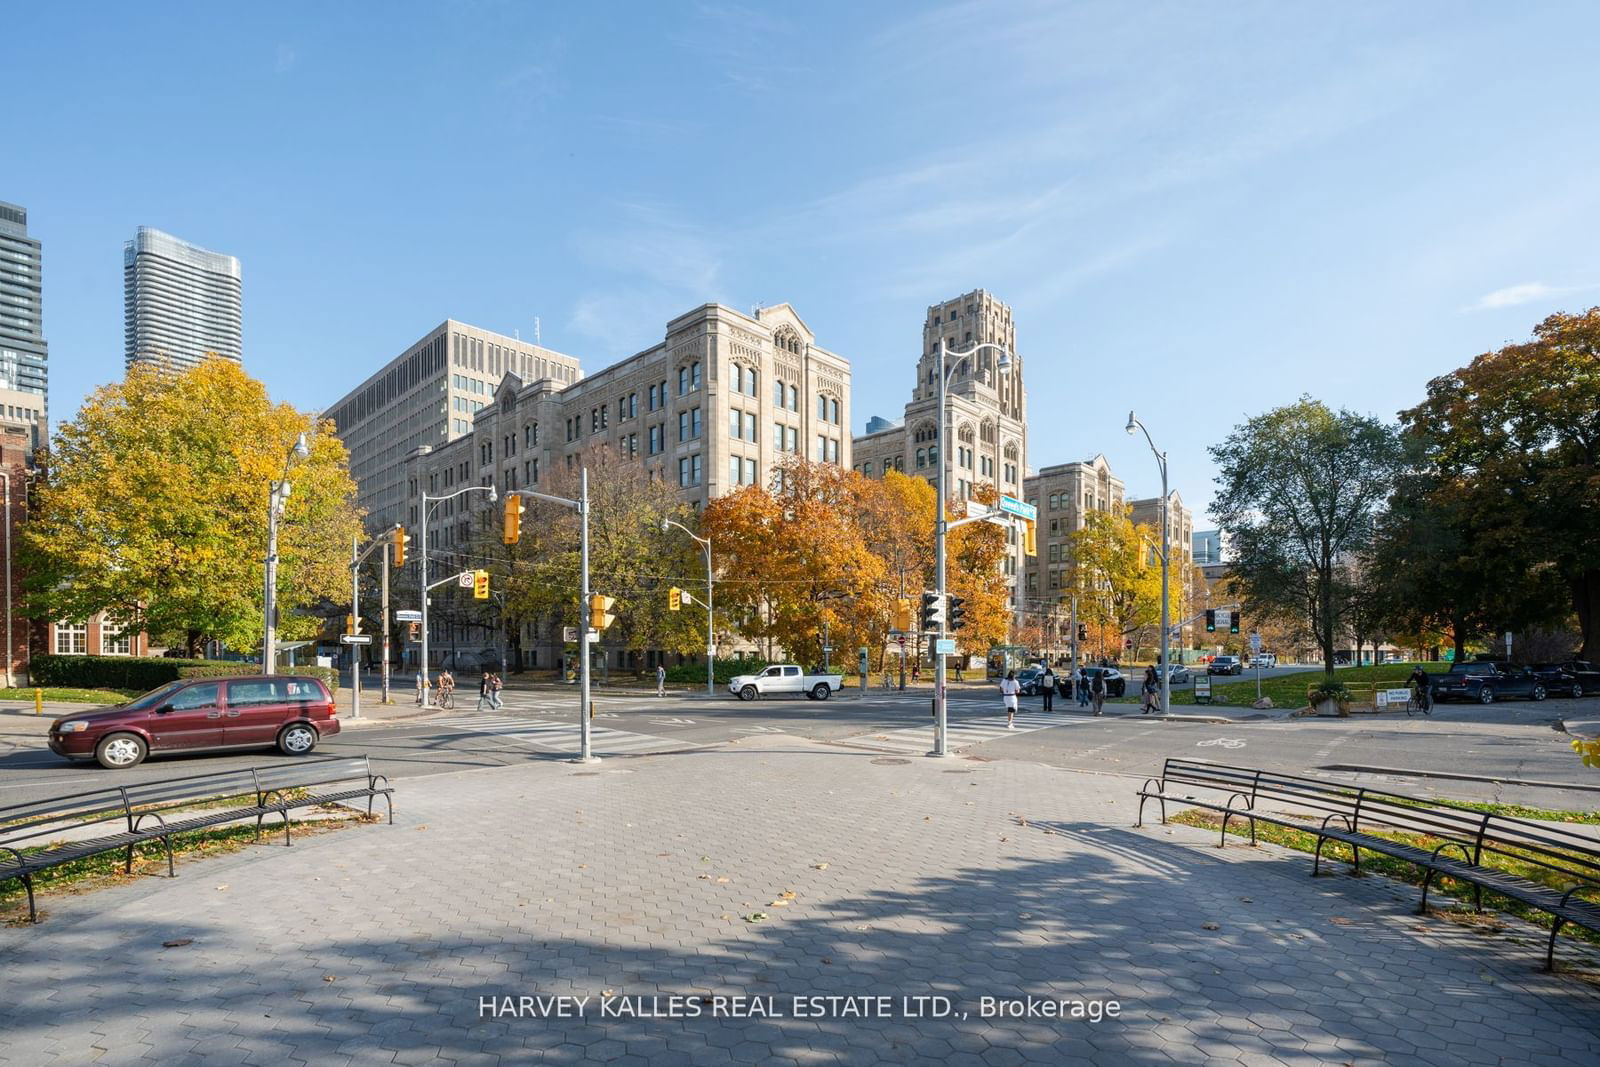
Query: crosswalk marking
(962, 733)
(557, 736)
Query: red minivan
(285, 711)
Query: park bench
(42, 834)
(1358, 816)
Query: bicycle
(1421, 699)
(447, 697)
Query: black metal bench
(121, 817)
(1357, 816)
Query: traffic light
(1211, 621)
(513, 518)
(1233, 623)
(902, 614)
(480, 585)
(1030, 543)
(600, 611)
(958, 613)
(1083, 631)
(401, 540)
(674, 599)
(350, 624)
(932, 613)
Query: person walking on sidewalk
(484, 700)
(1097, 690)
(1081, 685)
(1150, 688)
(1047, 686)
(661, 680)
(1008, 692)
(422, 689)
(495, 685)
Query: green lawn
(71, 695)
(1289, 690)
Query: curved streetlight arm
(711, 630)
(1166, 566)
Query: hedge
(724, 671)
(143, 673)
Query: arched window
(786, 340)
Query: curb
(1411, 772)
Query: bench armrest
(1348, 825)
(1249, 802)
(1583, 887)
(1453, 844)
(133, 825)
(1160, 784)
(374, 779)
(22, 861)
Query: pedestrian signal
(1083, 631)
(600, 611)
(401, 540)
(902, 614)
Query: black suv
(1485, 682)
(1585, 677)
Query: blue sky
(1196, 210)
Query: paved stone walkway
(960, 878)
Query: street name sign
(407, 615)
(355, 639)
(1020, 508)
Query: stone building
(986, 410)
(709, 409)
(1065, 494)
(1180, 534)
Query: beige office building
(710, 408)
(1065, 494)
(430, 395)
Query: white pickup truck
(785, 678)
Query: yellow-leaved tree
(154, 509)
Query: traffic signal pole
(581, 505)
(384, 698)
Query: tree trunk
(1586, 599)
(1458, 636)
(191, 640)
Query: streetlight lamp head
(1004, 362)
(1131, 423)
(493, 496)
(666, 524)
(302, 447)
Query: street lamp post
(711, 633)
(940, 719)
(1166, 558)
(581, 506)
(357, 556)
(275, 501)
(422, 587)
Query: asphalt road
(1508, 740)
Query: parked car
(1028, 679)
(1486, 682)
(1225, 665)
(1180, 674)
(785, 678)
(1116, 684)
(1264, 660)
(1585, 677)
(285, 711)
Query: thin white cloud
(1525, 293)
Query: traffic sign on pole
(355, 639)
(407, 615)
(1020, 508)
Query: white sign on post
(1255, 642)
(1223, 617)
(464, 579)
(407, 615)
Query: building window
(922, 458)
(888, 465)
(751, 380)
(822, 448)
(657, 436)
(833, 412)
(822, 408)
(689, 424)
(735, 423)
(735, 470)
(72, 639)
(777, 436)
(778, 393)
(794, 398)
(633, 405)
(737, 373)
(750, 472)
(689, 471)
(750, 427)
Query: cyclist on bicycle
(447, 689)
(1421, 689)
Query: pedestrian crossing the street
(962, 733)
(558, 736)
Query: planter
(1331, 706)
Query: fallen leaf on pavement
(820, 866)
(222, 887)
(1340, 920)
(756, 917)
(787, 894)
(330, 978)
(1209, 926)
(703, 877)
(723, 881)
(178, 942)
(779, 904)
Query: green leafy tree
(155, 510)
(1516, 435)
(1299, 491)
(1118, 589)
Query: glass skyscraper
(23, 354)
(181, 302)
